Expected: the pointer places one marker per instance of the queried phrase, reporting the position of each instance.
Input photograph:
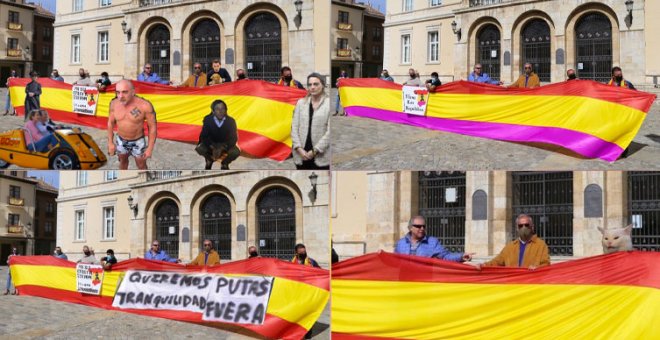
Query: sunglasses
(419, 225)
(477, 68)
(524, 225)
(207, 245)
(147, 68)
(198, 68)
(528, 68)
(155, 245)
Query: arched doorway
(488, 50)
(167, 227)
(263, 46)
(216, 224)
(547, 197)
(205, 44)
(276, 221)
(535, 48)
(593, 46)
(158, 50)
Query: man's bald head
(125, 91)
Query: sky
(50, 4)
(378, 4)
(51, 177)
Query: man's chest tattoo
(135, 112)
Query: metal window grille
(644, 209)
(216, 224)
(276, 220)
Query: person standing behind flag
(477, 76)
(209, 257)
(617, 79)
(528, 80)
(197, 79)
(151, 77)
(286, 79)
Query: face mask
(412, 75)
(58, 252)
(288, 78)
(302, 256)
(254, 254)
(572, 76)
(87, 253)
(241, 76)
(434, 78)
(618, 79)
(524, 232)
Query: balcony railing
(147, 3)
(344, 26)
(14, 229)
(13, 52)
(160, 175)
(344, 52)
(16, 201)
(476, 3)
(14, 26)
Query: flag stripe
(579, 142)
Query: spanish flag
(299, 293)
(589, 118)
(391, 296)
(263, 111)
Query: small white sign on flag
(85, 99)
(415, 100)
(89, 278)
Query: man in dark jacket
(32, 94)
(217, 75)
(219, 137)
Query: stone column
(501, 211)
(382, 213)
(586, 237)
(477, 236)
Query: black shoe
(224, 166)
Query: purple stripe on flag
(580, 142)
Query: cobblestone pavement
(167, 154)
(368, 144)
(28, 317)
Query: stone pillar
(382, 213)
(586, 237)
(616, 199)
(177, 72)
(477, 234)
(501, 211)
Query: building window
(405, 49)
(81, 178)
(14, 219)
(104, 45)
(37, 205)
(50, 209)
(108, 223)
(45, 52)
(77, 5)
(80, 225)
(75, 49)
(48, 228)
(106, 3)
(376, 51)
(378, 32)
(48, 33)
(436, 3)
(13, 17)
(342, 43)
(13, 173)
(12, 43)
(434, 47)
(111, 175)
(407, 5)
(343, 17)
(14, 191)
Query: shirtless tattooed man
(128, 113)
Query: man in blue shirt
(479, 77)
(148, 76)
(155, 253)
(417, 243)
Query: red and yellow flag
(263, 111)
(299, 293)
(391, 296)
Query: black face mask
(254, 254)
(618, 79)
(572, 76)
(241, 76)
(288, 78)
(87, 253)
(302, 256)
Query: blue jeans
(42, 144)
(337, 108)
(8, 104)
(8, 278)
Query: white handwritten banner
(89, 278)
(85, 99)
(240, 299)
(415, 100)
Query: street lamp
(313, 179)
(629, 17)
(455, 30)
(132, 205)
(298, 19)
(127, 31)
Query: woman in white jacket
(310, 129)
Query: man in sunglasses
(155, 253)
(197, 79)
(149, 76)
(528, 251)
(478, 76)
(416, 242)
(527, 80)
(209, 257)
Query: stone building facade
(475, 211)
(273, 210)
(16, 28)
(450, 36)
(259, 36)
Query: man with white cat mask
(528, 251)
